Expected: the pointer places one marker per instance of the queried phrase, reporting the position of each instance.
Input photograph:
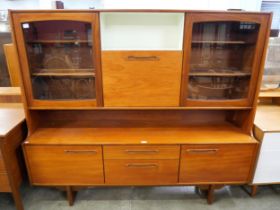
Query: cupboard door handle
(142, 58)
(202, 151)
(80, 151)
(141, 151)
(142, 165)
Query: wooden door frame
(93, 19)
(190, 19)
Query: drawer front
(271, 142)
(65, 165)
(4, 183)
(141, 78)
(268, 168)
(141, 152)
(216, 163)
(134, 172)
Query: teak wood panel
(141, 172)
(65, 165)
(216, 163)
(93, 18)
(141, 152)
(257, 66)
(2, 164)
(141, 78)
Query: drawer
(65, 165)
(131, 78)
(216, 163)
(4, 183)
(271, 142)
(141, 152)
(134, 172)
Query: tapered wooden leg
(254, 189)
(17, 199)
(70, 195)
(210, 194)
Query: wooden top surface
(187, 135)
(268, 118)
(270, 94)
(10, 116)
(10, 91)
(139, 10)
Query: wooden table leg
(254, 189)
(70, 195)
(210, 194)
(17, 199)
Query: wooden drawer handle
(141, 151)
(142, 58)
(80, 151)
(142, 165)
(202, 151)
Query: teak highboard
(140, 97)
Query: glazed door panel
(222, 60)
(61, 55)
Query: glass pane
(60, 59)
(221, 60)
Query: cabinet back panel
(141, 78)
(129, 118)
(142, 31)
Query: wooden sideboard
(12, 133)
(140, 97)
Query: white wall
(249, 5)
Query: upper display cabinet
(60, 55)
(223, 59)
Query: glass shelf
(65, 72)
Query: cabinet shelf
(220, 42)
(218, 73)
(64, 72)
(57, 41)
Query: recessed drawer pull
(202, 151)
(80, 151)
(142, 165)
(143, 58)
(141, 151)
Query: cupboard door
(141, 78)
(59, 56)
(216, 163)
(223, 58)
(65, 165)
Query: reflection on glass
(221, 60)
(60, 59)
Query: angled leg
(17, 199)
(70, 195)
(254, 189)
(210, 194)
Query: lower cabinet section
(140, 165)
(216, 163)
(65, 165)
(141, 171)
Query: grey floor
(145, 198)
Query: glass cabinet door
(223, 59)
(60, 59)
